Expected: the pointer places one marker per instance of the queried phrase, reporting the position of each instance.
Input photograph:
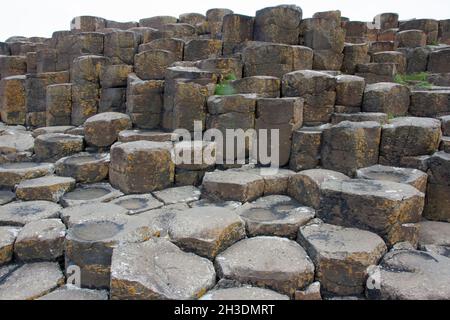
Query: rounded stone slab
(102, 130)
(49, 188)
(305, 185)
(14, 173)
(21, 213)
(178, 195)
(70, 292)
(341, 255)
(244, 294)
(6, 196)
(97, 192)
(139, 135)
(136, 204)
(411, 275)
(7, 237)
(84, 167)
(41, 240)
(53, 129)
(31, 281)
(279, 216)
(382, 207)
(13, 141)
(92, 212)
(54, 146)
(206, 231)
(270, 262)
(232, 186)
(157, 269)
(413, 177)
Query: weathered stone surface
(232, 186)
(31, 281)
(305, 150)
(237, 28)
(245, 293)
(270, 59)
(199, 49)
(206, 231)
(270, 262)
(214, 17)
(12, 174)
(52, 129)
(54, 146)
(278, 24)
(428, 26)
(311, 293)
(97, 192)
(408, 136)
(21, 213)
(8, 236)
(152, 64)
(434, 235)
(377, 72)
(186, 276)
(142, 166)
(48, 188)
(174, 45)
(58, 104)
(6, 196)
(12, 66)
(354, 54)
(157, 21)
(178, 195)
(426, 103)
(413, 177)
(389, 98)
(349, 90)
(41, 240)
(103, 129)
(73, 293)
(84, 167)
(87, 212)
(399, 58)
(146, 135)
(112, 100)
(411, 275)
(439, 61)
(121, 46)
(136, 204)
(348, 146)
(224, 66)
(382, 207)
(264, 86)
(13, 99)
(381, 46)
(305, 186)
(445, 125)
(279, 216)
(411, 39)
(437, 202)
(381, 118)
(114, 76)
(145, 102)
(87, 23)
(341, 255)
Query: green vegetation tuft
(224, 88)
(419, 80)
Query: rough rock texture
(103, 129)
(136, 204)
(21, 213)
(73, 293)
(97, 192)
(12, 174)
(8, 236)
(54, 146)
(438, 190)
(49, 188)
(390, 98)
(270, 262)
(159, 270)
(84, 167)
(245, 293)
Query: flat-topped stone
(97, 192)
(73, 293)
(31, 281)
(91, 212)
(178, 195)
(49, 188)
(21, 213)
(434, 233)
(12, 174)
(54, 146)
(146, 135)
(206, 231)
(6, 196)
(269, 262)
(15, 141)
(41, 240)
(355, 203)
(341, 255)
(54, 129)
(8, 236)
(233, 186)
(136, 204)
(245, 293)
(102, 130)
(413, 177)
(279, 216)
(84, 167)
(157, 269)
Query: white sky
(42, 17)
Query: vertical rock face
(13, 107)
(236, 29)
(437, 203)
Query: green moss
(419, 79)
(224, 88)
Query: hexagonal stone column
(411, 275)
(245, 293)
(142, 166)
(434, 236)
(305, 149)
(386, 97)
(8, 236)
(413, 177)
(279, 216)
(84, 167)
(157, 269)
(341, 255)
(437, 206)
(386, 208)
(14, 173)
(54, 146)
(102, 130)
(41, 240)
(97, 192)
(49, 188)
(269, 262)
(233, 186)
(206, 231)
(349, 146)
(305, 186)
(21, 213)
(31, 281)
(409, 136)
